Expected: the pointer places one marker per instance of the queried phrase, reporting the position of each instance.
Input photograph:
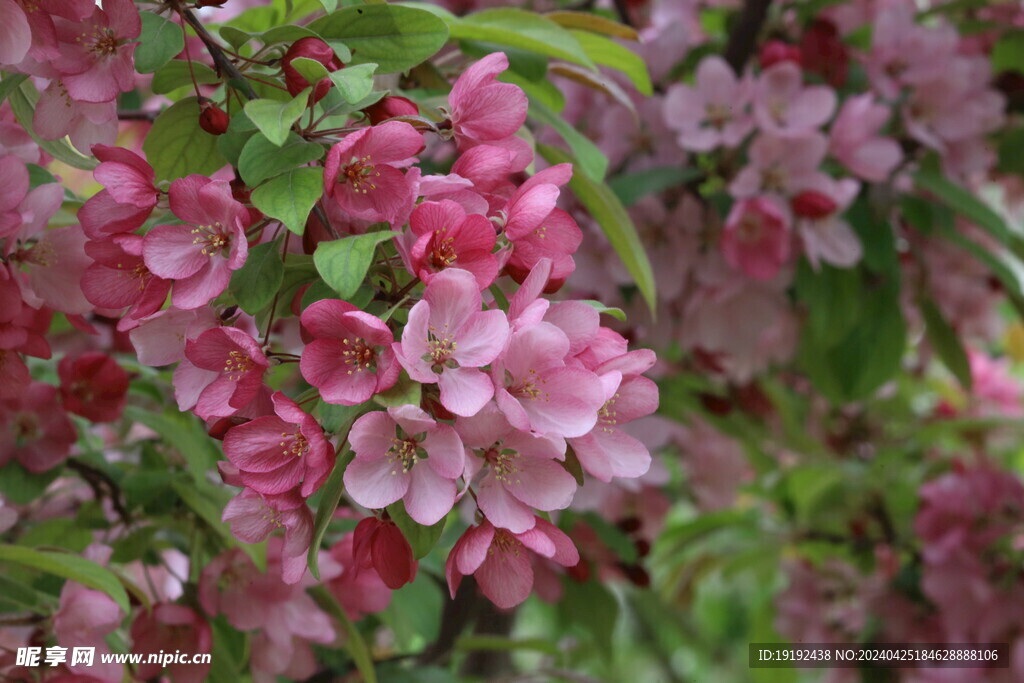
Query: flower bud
(823, 52)
(390, 107)
(212, 118)
(309, 48)
(775, 51)
(813, 204)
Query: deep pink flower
(34, 429)
(119, 277)
(446, 237)
(93, 385)
(448, 339)
(223, 373)
(484, 110)
(350, 358)
(756, 238)
(362, 172)
(102, 217)
(254, 516)
(200, 254)
(500, 563)
(389, 107)
(517, 471)
(276, 453)
(95, 60)
(380, 545)
(389, 447)
(712, 113)
(783, 106)
(172, 628)
(40, 15)
(128, 177)
(855, 141)
(538, 391)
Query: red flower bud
(210, 3)
(389, 107)
(212, 118)
(824, 53)
(379, 544)
(775, 51)
(317, 50)
(813, 204)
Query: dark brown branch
(225, 67)
(743, 37)
(455, 617)
(102, 486)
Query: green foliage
(421, 538)
(160, 41)
(184, 433)
(21, 487)
(329, 498)
(589, 158)
(176, 146)
(609, 53)
(258, 280)
(261, 160)
(513, 27)
(632, 187)
(290, 196)
(354, 83)
(275, 119)
(343, 263)
(946, 343)
(71, 567)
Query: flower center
(212, 237)
(26, 428)
(718, 115)
(503, 464)
(405, 453)
(358, 174)
(750, 228)
(237, 364)
(607, 416)
(358, 354)
(442, 252)
(505, 543)
(294, 445)
(526, 388)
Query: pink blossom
(994, 388)
(128, 177)
(446, 237)
(96, 54)
(389, 447)
(119, 278)
(40, 15)
(537, 390)
(380, 545)
(84, 619)
(358, 588)
(169, 627)
(500, 563)
(516, 471)
(955, 106)
(855, 141)
(778, 165)
(904, 52)
(34, 429)
(223, 373)
(102, 217)
(818, 211)
(783, 106)
(200, 254)
(24, 212)
(350, 358)
(86, 123)
(277, 452)
(55, 265)
(713, 112)
(363, 172)
(93, 385)
(448, 339)
(254, 516)
(160, 339)
(15, 34)
(756, 238)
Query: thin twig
(225, 67)
(743, 37)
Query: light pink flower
(95, 60)
(817, 210)
(276, 453)
(905, 52)
(389, 448)
(538, 391)
(363, 172)
(200, 254)
(713, 112)
(253, 517)
(778, 165)
(446, 237)
(500, 563)
(24, 212)
(86, 123)
(350, 358)
(516, 471)
(756, 238)
(160, 339)
(55, 265)
(15, 34)
(223, 373)
(783, 106)
(84, 619)
(855, 142)
(168, 627)
(448, 338)
(358, 588)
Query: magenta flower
(254, 516)
(276, 453)
(518, 471)
(102, 217)
(448, 339)
(362, 172)
(500, 563)
(855, 141)
(446, 237)
(783, 106)
(484, 110)
(712, 113)
(93, 385)
(200, 254)
(119, 278)
(756, 238)
(95, 60)
(350, 358)
(389, 447)
(538, 391)
(169, 627)
(380, 545)
(223, 373)
(34, 429)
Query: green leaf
(290, 197)
(310, 69)
(23, 101)
(331, 495)
(275, 119)
(632, 187)
(609, 53)
(572, 465)
(421, 538)
(261, 159)
(208, 503)
(522, 29)
(354, 83)
(963, 202)
(184, 433)
(590, 159)
(355, 644)
(175, 74)
(405, 392)
(947, 344)
(613, 537)
(343, 263)
(21, 487)
(1008, 52)
(236, 38)
(594, 23)
(337, 419)
(176, 146)
(9, 83)
(161, 39)
(618, 227)
(592, 606)
(393, 37)
(286, 34)
(71, 567)
(257, 281)
(542, 91)
(506, 644)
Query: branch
(225, 67)
(743, 38)
(98, 480)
